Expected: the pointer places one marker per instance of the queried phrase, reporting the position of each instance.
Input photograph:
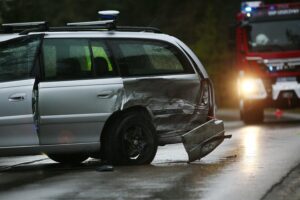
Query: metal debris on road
(105, 168)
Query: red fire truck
(268, 58)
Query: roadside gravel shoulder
(287, 189)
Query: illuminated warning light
(270, 68)
(108, 14)
(249, 6)
(272, 7)
(248, 9)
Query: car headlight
(252, 88)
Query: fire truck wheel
(251, 114)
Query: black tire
(130, 140)
(70, 159)
(252, 114)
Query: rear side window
(17, 58)
(138, 58)
(72, 59)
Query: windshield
(281, 35)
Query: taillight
(205, 94)
(207, 97)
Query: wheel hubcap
(134, 141)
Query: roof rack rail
(25, 28)
(91, 23)
(108, 22)
(104, 24)
(24, 24)
(79, 28)
(139, 28)
(104, 28)
(20, 27)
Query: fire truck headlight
(248, 86)
(252, 88)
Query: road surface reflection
(251, 149)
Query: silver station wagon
(94, 89)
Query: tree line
(202, 25)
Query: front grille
(272, 68)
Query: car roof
(92, 34)
(4, 37)
(107, 34)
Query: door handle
(105, 94)
(17, 97)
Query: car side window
(75, 59)
(17, 58)
(138, 57)
(67, 59)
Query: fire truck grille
(283, 67)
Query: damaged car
(95, 89)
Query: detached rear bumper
(204, 139)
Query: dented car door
(159, 77)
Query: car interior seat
(101, 66)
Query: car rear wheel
(71, 159)
(130, 140)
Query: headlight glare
(248, 86)
(252, 88)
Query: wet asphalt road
(244, 167)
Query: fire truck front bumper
(284, 92)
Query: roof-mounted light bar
(248, 6)
(108, 19)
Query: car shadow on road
(30, 172)
(48, 166)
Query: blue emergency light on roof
(248, 9)
(107, 18)
(108, 14)
(248, 6)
